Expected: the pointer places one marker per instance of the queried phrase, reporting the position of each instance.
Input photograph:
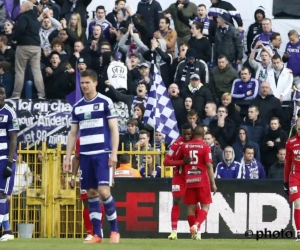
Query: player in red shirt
(83, 195)
(292, 174)
(178, 181)
(199, 176)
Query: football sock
(87, 221)
(111, 213)
(297, 218)
(191, 220)
(5, 223)
(201, 217)
(197, 212)
(95, 214)
(175, 217)
(2, 209)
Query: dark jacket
(269, 154)
(128, 139)
(8, 81)
(238, 147)
(81, 8)
(268, 107)
(217, 155)
(226, 135)
(202, 47)
(27, 30)
(221, 80)
(257, 130)
(179, 110)
(234, 115)
(229, 44)
(199, 69)
(151, 12)
(254, 29)
(276, 171)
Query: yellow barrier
(42, 194)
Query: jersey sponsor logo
(194, 172)
(193, 180)
(293, 190)
(170, 152)
(193, 146)
(87, 116)
(175, 188)
(15, 124)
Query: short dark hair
(132, 122)
(276, 56)
(54, 53)
(199, 130)
(186, 126)
(275, 118)
(223, 107)
(201, 5)
(124, 158)
(198, 26)
(192, 112)
(57, 41)
(6, 66)
(184, 44)
(253, 106)
(118, 1)
(166, 19)
(246, 68)
(100, 7)
(274, 35)
(222, 56)
(247, 147)
(90, 73)
(144, 132)
(3, 39)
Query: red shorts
(195, 195)
(83, 195)
(178, 185)
(294, 187)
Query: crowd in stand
(247, 106)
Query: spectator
(241, 142)
(111, 17)
(275, 42)
(159, 140)
(250, 167)
(6, 78)
(274, 140)
(58, 46)
(228, 41)
(276, 171)
(151, 11)
(188, 9)
(219, 7)
(200, 43)
(264, 36)
(255, 126)
(177, 103)
(94, 42)
(211, 113)
(180, 57)
(291, 56)
(131, 137)
(144, 76)
(28, 50)
(100, 20)
(233, 110)
(187, 68)
(228, 168)
(192, 117)
(223, 129)
(255, 28)
(263, 67)
(216, 152)
(151, 168)
(280, 79)
(79, 52)
(188, 103)
(166, 33)
(7, 53)
(268, 105)
(222, 77)
(70, 7)
(125, 169)
(51, 6)
(75, 26)
(245, 88)
(209, 27)
(8, 32)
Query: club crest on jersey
(1, 118)
(96, 107)
(15, 124)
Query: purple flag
(12, 9)
(76, 95)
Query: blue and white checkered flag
(159, 111)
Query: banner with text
(238, 206)
(42, 120)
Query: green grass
(150, 244)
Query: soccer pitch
(150, 244)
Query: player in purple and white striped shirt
(95, 118)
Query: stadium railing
(49, 202)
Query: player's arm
(114, 130)
(71, 141)
(287, 167)
(170, 156)
(12, 145)
(210, 170)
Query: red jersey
(196, 172)
(77, 146)
(292, 159)
(172, 158)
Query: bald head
(265, 89)
(198, 132)
(26, 5)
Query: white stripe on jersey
(91, 139)
(89, 108)
(93, 123)
(3, 132)
(3, 146)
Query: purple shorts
(95, 171)
(7, 185)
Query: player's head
(88, 82)
(298, 126)
(2, 94)
(248, 153)
(198, 132)
(187, 131)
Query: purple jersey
(92, 117)
(294, 60)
